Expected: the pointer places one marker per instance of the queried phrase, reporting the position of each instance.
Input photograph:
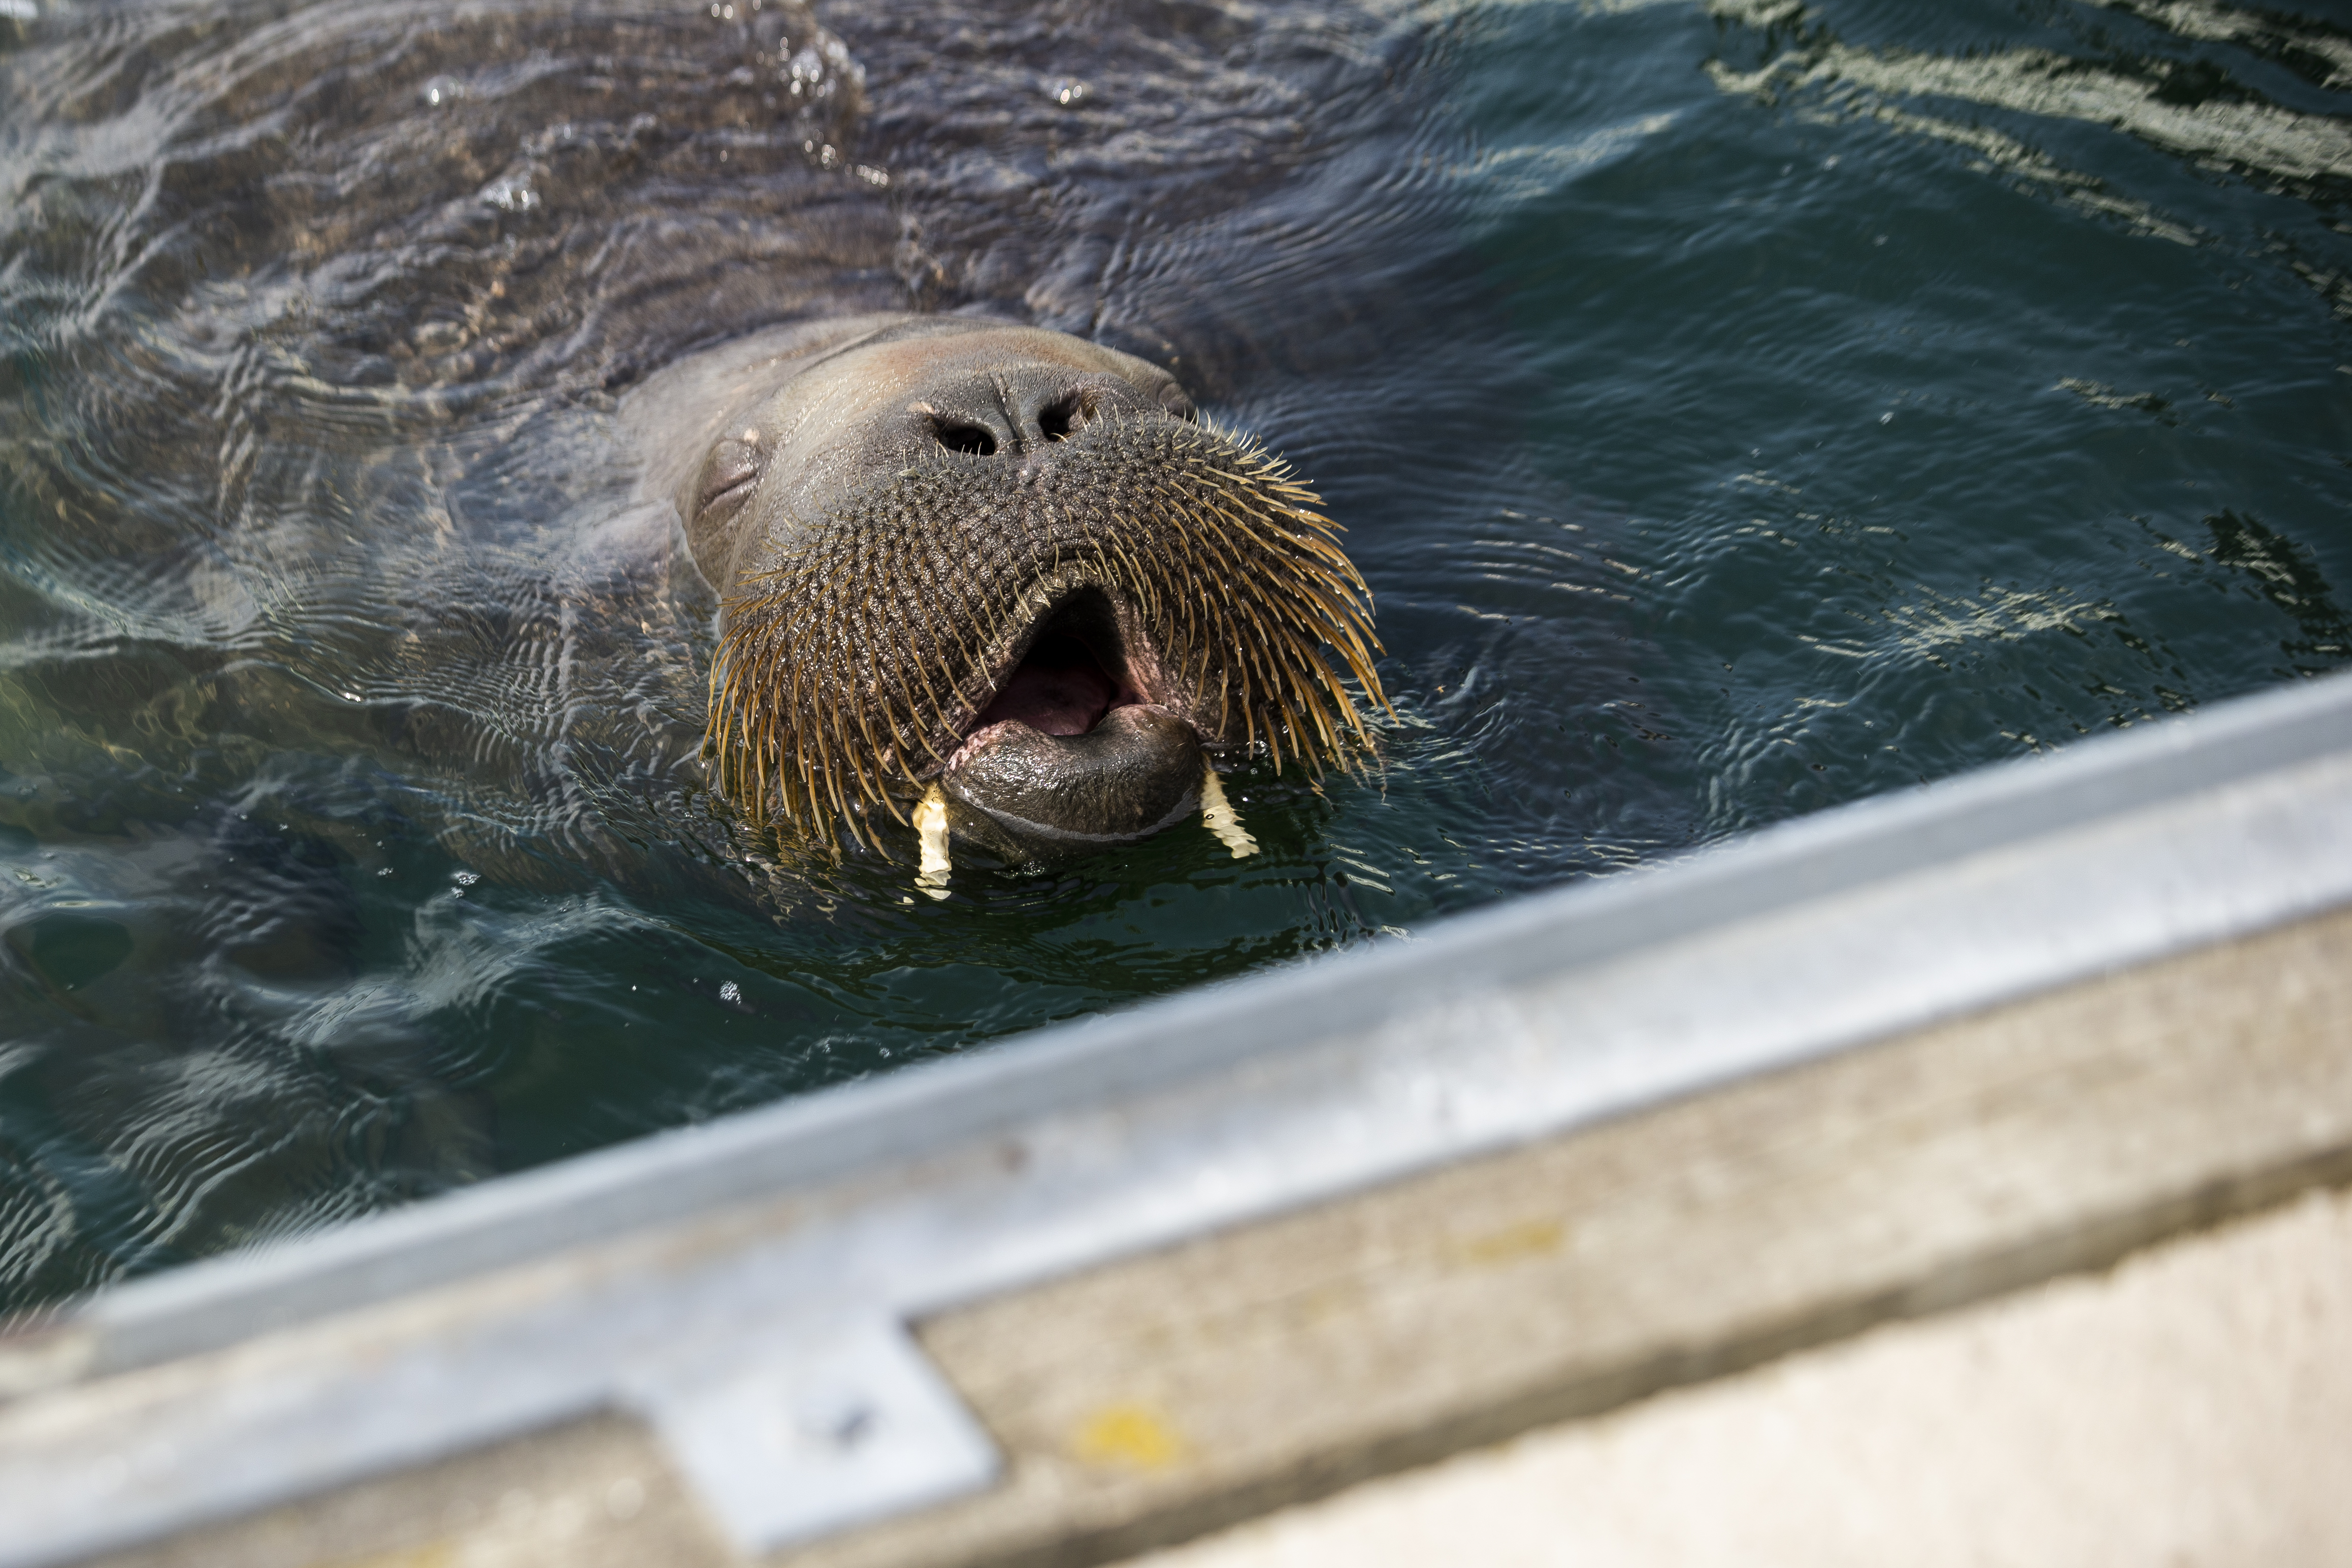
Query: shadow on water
(1735, 408)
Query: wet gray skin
(1086, 736)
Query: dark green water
(1736, 410)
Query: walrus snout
(1018, 410)
(1020, 790)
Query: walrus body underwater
(996, 581)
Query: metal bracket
(851, 1423)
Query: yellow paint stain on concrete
(1528, 1238)
(1129, 1436)
(432, 1555)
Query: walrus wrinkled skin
(1001, 561)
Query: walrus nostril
(1060, 421)
(956, 436)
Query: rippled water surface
(1735, 409)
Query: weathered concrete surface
(2192, 1407)
(595, 1494)
(1153, 1399)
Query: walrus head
(1002, 581)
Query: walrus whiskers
(856, 654)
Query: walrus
(371, 818)
(995, 582)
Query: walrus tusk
(931, 823)
(1218, 813)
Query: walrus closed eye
(998, 584)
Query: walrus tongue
(1059, 689)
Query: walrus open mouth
(1084, 742)
(1072, 672)
(1057, 646)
